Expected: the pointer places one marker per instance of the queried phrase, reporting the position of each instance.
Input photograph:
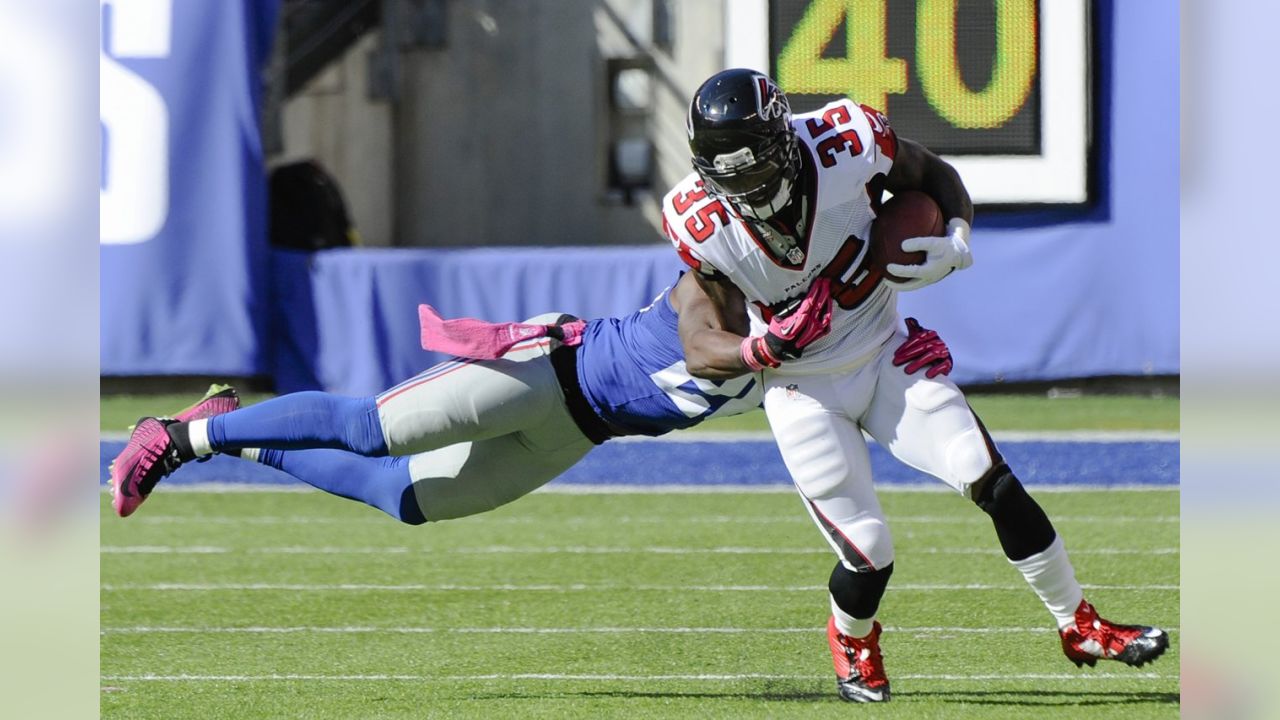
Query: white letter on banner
(134, 203)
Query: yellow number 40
(867, 75)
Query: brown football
(906, 215)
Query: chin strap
(481, 340)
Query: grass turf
(297, 604)
(998, 412)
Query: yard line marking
(358, 629)
(325, 550)
(571, 587)
(799, 519)
(252, 520)
(574, 550)
(162, 549)
(1039, 676)
(622, 678)
(786, 488)
(778, 488)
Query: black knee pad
(859, 593)
(1021, 525)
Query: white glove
(944, 255)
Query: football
(906, 215)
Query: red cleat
(1093, 639)
(859, 666)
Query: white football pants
(818, 422)
(483, 432)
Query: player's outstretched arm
(713, 322)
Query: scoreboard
(998, 87)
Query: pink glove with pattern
(792, 329)
(923, 348)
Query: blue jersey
(632, 371)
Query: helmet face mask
(742, 143)
(757, 186)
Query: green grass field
(297, 604)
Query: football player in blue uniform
(467, 435)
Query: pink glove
(923, 348)
(791, 330)
(481, 340)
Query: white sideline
(359, 629)
(625, 678)
(569, 587)
(570, 550)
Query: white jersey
(850, 149)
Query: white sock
(249, 454)
(849, 625)
(1050, 574)
(198, 434)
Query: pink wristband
(749, 355)
(751, 359)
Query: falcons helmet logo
(770, 101)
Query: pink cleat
(217, 400)
(150, 454)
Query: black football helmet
(742, 142)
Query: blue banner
(183, 191)
(347, 320)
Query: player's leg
(470, 401)
(450, 403)
(927, 424)
(446, 483)
(289, 422)
(380, 482)
(827, 458)
(471, 478)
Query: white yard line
(372, 630)
(780, 487)
(565, 587)
(1073, 677)
(568, 550)
(969, 516)
(788, 488)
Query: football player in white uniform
(777, 214)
